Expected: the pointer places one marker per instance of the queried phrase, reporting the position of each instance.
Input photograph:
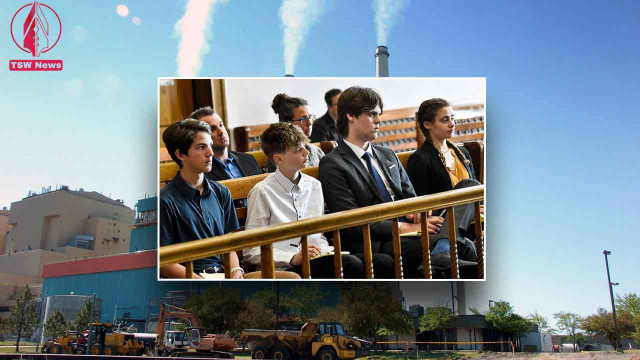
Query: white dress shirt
(276, 200)
(360, 152)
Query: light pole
(613, 304)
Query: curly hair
(281, 136)
(283, 105)
(180, 135)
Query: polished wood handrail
(265, 236)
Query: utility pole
(613, 304)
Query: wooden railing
(266, 236)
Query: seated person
(324, 129)
(288, 195)
(191, 206)
(296, 112)
(358, 174)
(439, 165)
(228, 164)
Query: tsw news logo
(36, 30)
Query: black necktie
(376, 178)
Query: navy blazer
(347, 184)
(246, 163)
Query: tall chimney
(382, 61)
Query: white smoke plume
(193, 31)
(386, 14)
(297, 17)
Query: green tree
(218, 313)
(437, 317)
(568, 322)
(397, 322)
(4, 328)
(366, 308)
(630, 304)
(601, 323)
(329, 314)
(541, 321)
(24, 315)
(56, 325)
(305, 301)
(259, 313)
(84, 317)
(502, 317)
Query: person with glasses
(295, 111)
(439, 165)
(324, 129)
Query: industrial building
(54, 226)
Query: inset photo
(321, 178)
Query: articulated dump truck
(322, 341)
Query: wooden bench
(241, 187)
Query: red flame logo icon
(36, 32)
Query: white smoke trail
(297, 17)
(387, 12)
(193, 30)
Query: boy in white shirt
(289, 195)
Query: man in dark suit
(227, 164)
(358, 174)
(324, 129)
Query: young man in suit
(324, 129)
(358, 174)
(227, 164)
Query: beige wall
(4, 228)
(111, 237)
(12, 284)
(30, 263)
(52, 220)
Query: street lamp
(613, 304)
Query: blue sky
(562, 129)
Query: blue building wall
(131, 290)
(144, 238)
(147, 204)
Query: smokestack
(288, 75)
(382, 61)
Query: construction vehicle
(61, 345)
(322, 340)
(190, 341)
(104, 341)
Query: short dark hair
(283, 105)
(331, 93)
(180, 135)
(202, 112)
(427, 112)
(354, 101)
(279, 137)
